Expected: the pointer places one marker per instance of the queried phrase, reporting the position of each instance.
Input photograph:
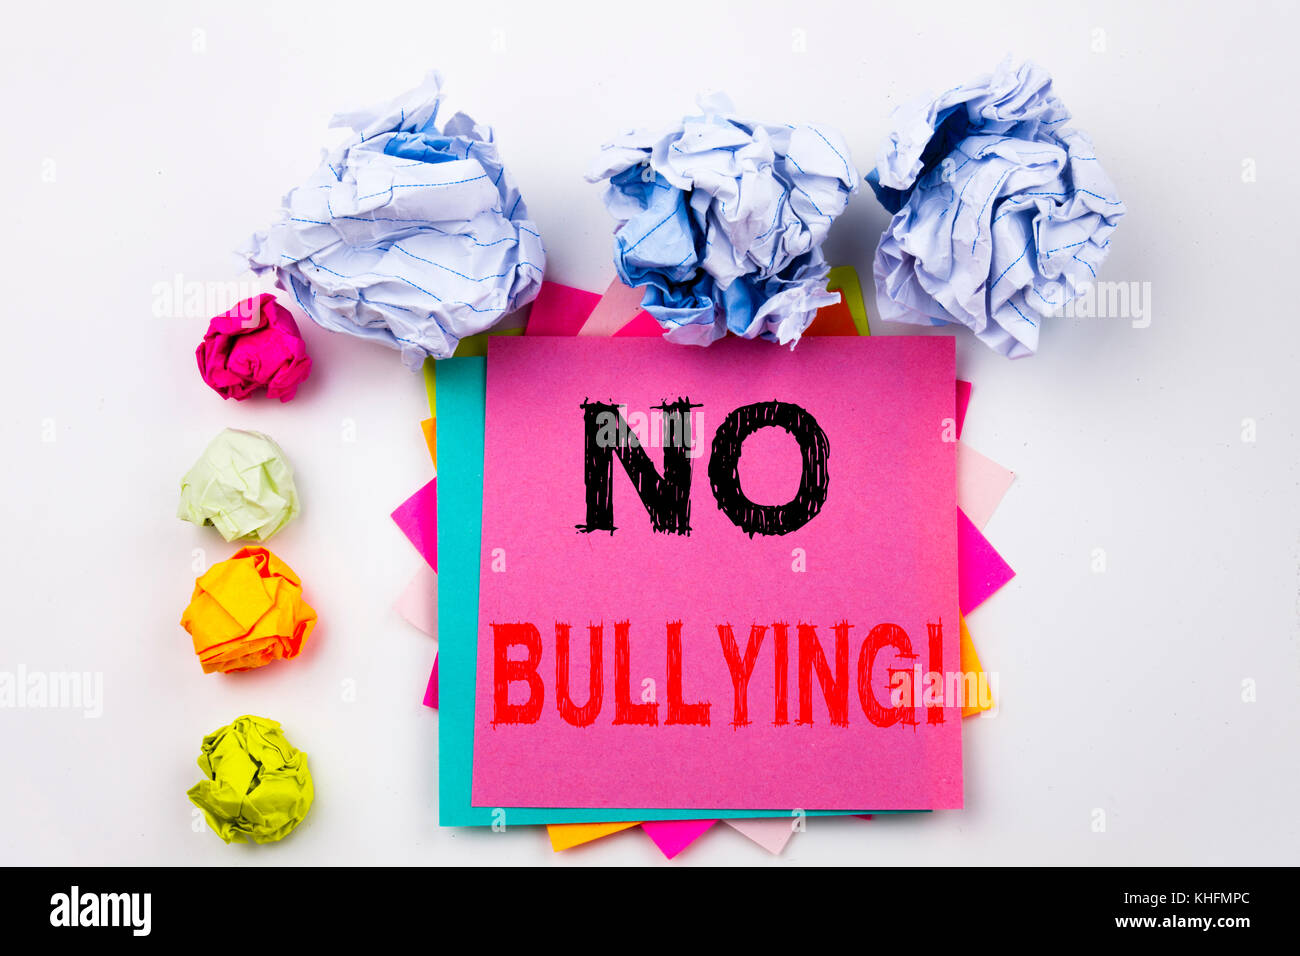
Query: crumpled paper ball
(256, 784)
(247, 611)
(408, 234)
(722, 220)
(253, 346)
(242, 485)
(1000, 210)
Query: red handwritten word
(832, 674)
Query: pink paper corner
(771, 833)
(963, 402)
(417, 516)
(560, 310)
(673, 836)
(431, 691)
(980, 569)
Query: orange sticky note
(970, 664)
(833, 320)
(430, 426)
(567, 835)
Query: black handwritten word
(667, 496)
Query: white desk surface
(141, 150)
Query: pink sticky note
(981, 483)
(418, 602)
(417, 516)
(642, 326)
(673, 836)
(559, 310)
(648, 713)
(963, 401)
(981, 569)
(771, 833)
(617, 307)
(431, 691)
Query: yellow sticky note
(470, 345)
(970, 664)
(567, 835)
(844, 279)
(429, 390)
(477, 344)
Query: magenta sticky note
(560, 310)
(673, 836)
(724, 637)
(981, 568)
(963, 402)
(417, 516)
(431, 691)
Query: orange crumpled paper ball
(247, 611)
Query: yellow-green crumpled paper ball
(243, 486)
(257, 784)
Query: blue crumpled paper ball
(407, 234)
(1000, 212)
(722, 221)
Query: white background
(171, 133)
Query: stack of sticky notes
(675, 585)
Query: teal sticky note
(461, 387)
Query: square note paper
(719, 578)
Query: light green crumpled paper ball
(242, 485)
(258, 786)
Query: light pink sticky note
(980, 569)
(617, 307)
(673, 836)
(878, 556)
(771, 833)
(963, 401)
(418, 602)
(559, 310)
(417, 516)
(981, 483)
(431, 691)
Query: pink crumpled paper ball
(254, 345)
